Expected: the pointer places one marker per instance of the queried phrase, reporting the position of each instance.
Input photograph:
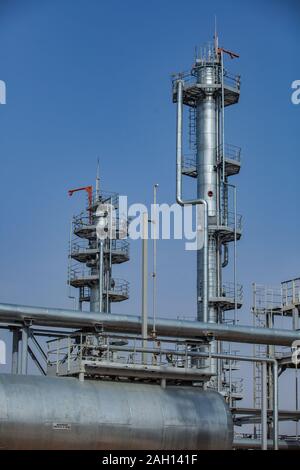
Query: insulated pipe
(132, 324)
(275, 405)
(101, 275)
(283, 444)
(145, 284)
(192, 202)
(264, 410)
(225, 260)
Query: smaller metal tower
(91, 258)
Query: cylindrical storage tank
(63, 413)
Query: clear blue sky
(88, 79)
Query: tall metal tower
(91, 258)
(207, 90)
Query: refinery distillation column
(207, 89)
(91, 258)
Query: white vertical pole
(264, 411)
(100, 275)
(154, 274)
(275, 405)
(145, 284)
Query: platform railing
(63, 353)
(231, 152)
(290, 291)
(230, 219)
(80, 272)
(230, 80)
(115, 245)
(228, 290)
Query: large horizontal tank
(64, 413)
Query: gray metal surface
(206, 142)
(207, 189)
(283, 444)
(132, 324)
(63, 413)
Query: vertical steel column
(207, 189)
(19, 369)
(15, 351)
(154, 274)
(110, 252)
(264, 410)
(24, 360)
(275, 405)
(295, 318)
(69, 269)
(145, 285)
(101, 275)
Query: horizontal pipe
(198, 354)
(145, 371)
(132, 324)
(283, 444)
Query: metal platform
(227, 300)
(193, 93)
(119, 252)
(84, 229)
(232, 160)
(225, 303)
(118, 293)
(226, 232)
(85, 355)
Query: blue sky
(89, 79)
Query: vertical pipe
(207, 188)
(69, 268)
(234, 256)
(264, 411)
(154, 275)
(24, 362)
(19, 370)
(15, 351)
(98, 182)
(145, 285)
(110, 248)
(100, 275)
(223, 118)
(230, 378)
(275, 404)
(296, 396)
